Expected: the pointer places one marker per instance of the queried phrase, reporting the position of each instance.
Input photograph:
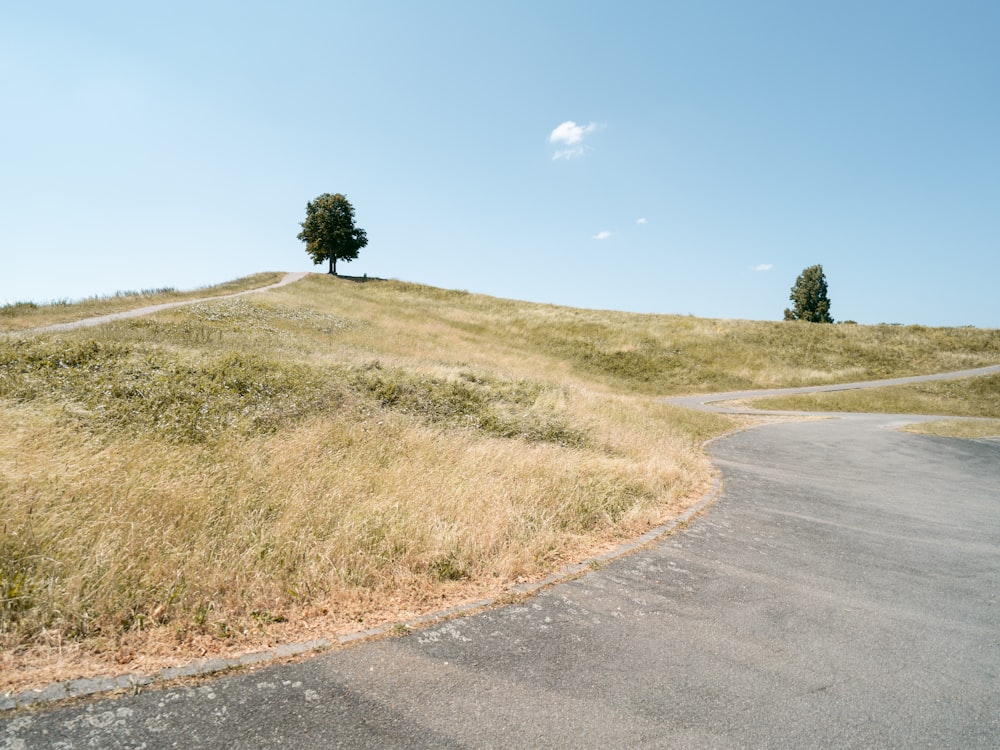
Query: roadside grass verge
(18, 316)
(958, 428)
(968, 397)
(335, 454)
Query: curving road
(842, 592)
(718, 402)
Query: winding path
(841, 592)
(717, 401)
(138, 312)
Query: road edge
(134, 682)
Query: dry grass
(19, 316)
(650, 354)
(969, 429)
(970, 397)
(336, 454)
(211, 476)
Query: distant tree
(809, 296)
(329, 231)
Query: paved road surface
(842, 593)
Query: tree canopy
(809, 296)
(329, 231)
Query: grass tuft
(503, 409)
(959, 428)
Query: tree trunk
(333, 265)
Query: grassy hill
(334, 454)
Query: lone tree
(809, 296)
(329, 231)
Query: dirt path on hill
(138, 312)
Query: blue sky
(665, 157)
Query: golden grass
(20, 316)
(969, 397)
(118, 537)
(958, 428)
(651, 354)
(203, 478)
(336, 454)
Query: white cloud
(571, 135)
(568, 153)
(641, 221)
(602, 235)
(763, 267)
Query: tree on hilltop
(809, 296)
(329, 231)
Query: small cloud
(641, 221)
(602, 235)
(568, 153)
(571, 135)
(763, 267)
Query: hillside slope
(335, 454)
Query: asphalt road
(841, 593)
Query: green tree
(809, 296)
(329, 231)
